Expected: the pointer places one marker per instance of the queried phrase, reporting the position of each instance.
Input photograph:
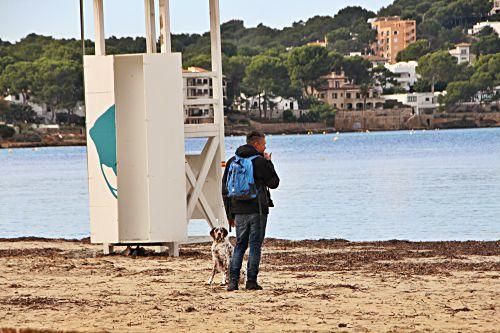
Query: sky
(60, 18)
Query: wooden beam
(202, 203)
(215, 40)
(213, 144)
(149, 11)
(166, 43)
(100, 43)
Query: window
(205, 81)
(337, 84)
(348, 95)
(334, 105)
(463, 51)
(341, 95)
(358, 95)
(412, 99)
(334, 95)
(395, 32)
(322, 96)
(387, 40)
(341, 106)
(427, 99)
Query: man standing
(250, 216)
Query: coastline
(322, 130)
(310, 286)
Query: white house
(496, 7)
(276, 105)
(44, 112)
(406, 73)
(481, 25)
(461, 52)
(420, 102)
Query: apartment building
(405, 72)
(198, 85)
(393, 36)
(342, 95)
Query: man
(250, 216)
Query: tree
(414, 51)
(307, 64)
(16, 113)
(58, 83)
(17, 78)
(488, 43)
(459, 91)
(234, 69)
(437, 67)
(201, 60)
(266, 75)
(357, 69)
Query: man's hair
(254, 136)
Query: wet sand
(310, 286)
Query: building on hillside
(342, 95)
(376, 60)
(421, 103)
(405, 72)
(496, 7)
(323, 43)
(481, 25)
(373, 59)
(274, 106)
(461, 52)
(393, 36)
(198, 85)
(44, 112)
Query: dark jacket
(265, 177)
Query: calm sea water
(427, 185)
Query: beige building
(342, 95)
(198, 85)
(393, 36)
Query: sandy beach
(310, 286)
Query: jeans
(250, 229)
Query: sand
(310, 286)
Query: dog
(222, 253)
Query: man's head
(257, 140)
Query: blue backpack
(240, 183)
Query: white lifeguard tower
(143, 188)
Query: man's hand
(268, 156)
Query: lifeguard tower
(143, 188)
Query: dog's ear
(212, 233)
(224, 230)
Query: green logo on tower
(103, 134)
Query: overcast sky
(60, 18)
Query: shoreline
(309, 286)
(80, 143)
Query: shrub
(6, 132)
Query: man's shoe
(232, 286)
(252, 285)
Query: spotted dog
(222, 252)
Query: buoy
(338, 133)
(324, 132)
(10, 151)
(335, 138)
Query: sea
(409, 185)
